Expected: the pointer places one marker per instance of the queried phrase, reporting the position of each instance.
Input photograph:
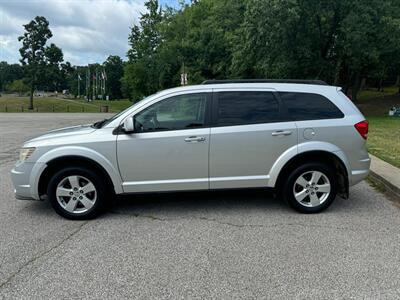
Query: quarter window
(175, 113)
(307, 106)
(241, 108)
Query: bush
(17, 86)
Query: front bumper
(20, 177)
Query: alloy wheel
(76, 194)
(312, 188)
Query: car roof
(282, 87)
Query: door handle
(281, 132)
(195, 139)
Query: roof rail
(297, 81)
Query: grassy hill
(12, 103)
(384, 131)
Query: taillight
(362, 128)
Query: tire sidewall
(294, 175)
(99, 184)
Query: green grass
(372, 93)
(384, 139)
(12, 103)
(384, 131)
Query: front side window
(175, 113)
(307, 106)
(241, 108)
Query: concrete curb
(386, 174)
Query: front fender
(303, 148)
(79, 151)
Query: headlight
(25, 153)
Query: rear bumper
(361, 173)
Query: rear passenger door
(250, 131)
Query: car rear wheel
(77, 193)
(310, 188)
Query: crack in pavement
(40, 255)
(155, 218)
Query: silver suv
(304, 138)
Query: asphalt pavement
(219, 245)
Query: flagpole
(104, 82)
(87, 84)
(79, 87)
(94, 86)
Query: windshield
(104, 122)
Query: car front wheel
(77, 193)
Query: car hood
(64, 132)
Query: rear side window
(307, 106)
(241, 108)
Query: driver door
(169, 148)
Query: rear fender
(303, 148)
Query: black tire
(288, 187)
(102, 193)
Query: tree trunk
(356, 87)
(363, 82)
(380, 87)
(337, 72)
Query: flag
(79, 77)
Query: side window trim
(283, 113)
(207, 116)
(293, 118)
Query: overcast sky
(86, 30)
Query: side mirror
(129, 126)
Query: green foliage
(53, 73)
(32, 52)
(344, 42)
(114, 68)
(196, 39)
(339, 41)
(9, 73)
(17, 86)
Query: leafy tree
(53, 58)
(141, 71)
(18, 86)
(32, 52)
(144, 39)
(114, 69)
(196, 38)
(340, 41)
(9, 73)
